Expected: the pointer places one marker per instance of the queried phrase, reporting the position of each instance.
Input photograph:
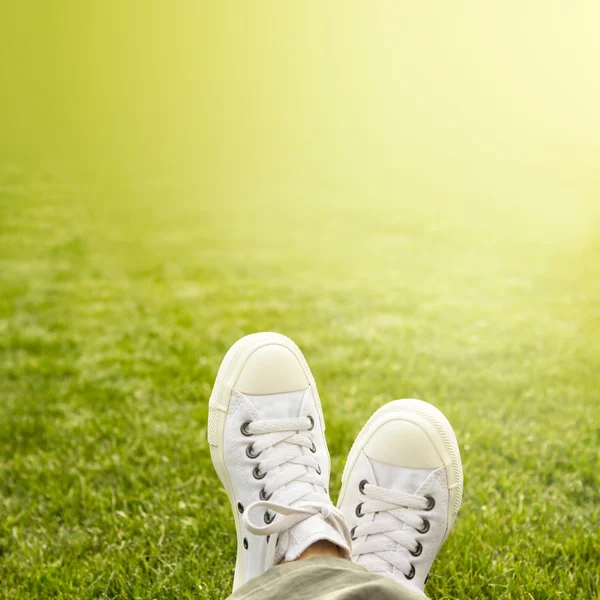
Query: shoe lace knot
(286, 454)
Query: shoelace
(383, 551)
(292, 515)
(282, 442)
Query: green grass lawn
(119, 301)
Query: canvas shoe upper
(267, 442)
(401, 491)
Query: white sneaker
(401, 491)
(267, 442)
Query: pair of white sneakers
(401, 487)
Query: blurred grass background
(411, 192)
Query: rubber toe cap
(271, 369)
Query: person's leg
(322, 578)
(267, 442)
(265, 424)
(401, 492)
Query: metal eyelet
(244, 429)
(240, 507)
(257, 474)
(430, 502)
(418, 551)
(269, 518)
(250, 452)
(313, 448)
(352, 537)
(358, 512)
(425, 527)
(361, 486)
(245, 543)
(412, 572)
(312, 422)
(263, 495)
(318, 469)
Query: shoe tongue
(402, 479)
(278, 406)
(284, 406)
(392, 477)
(311, 530)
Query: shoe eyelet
(245, 543)
(352, 536)
(240, 507)
(425, 527)
(250, 452)
(263, 495)
(411, 573)
(430, 503)
(418, 551)
(318, 469)
(244, 429)
(358, 512)
(312, 422)
(257, 474)
(313, 448)
(361, 486)
(269, 518)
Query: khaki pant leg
(322, 578)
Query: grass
(119, 302)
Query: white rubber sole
(218, 406)
(437, 428)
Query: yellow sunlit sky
(386, 98)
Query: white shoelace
(283, 441)
(383, 552)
